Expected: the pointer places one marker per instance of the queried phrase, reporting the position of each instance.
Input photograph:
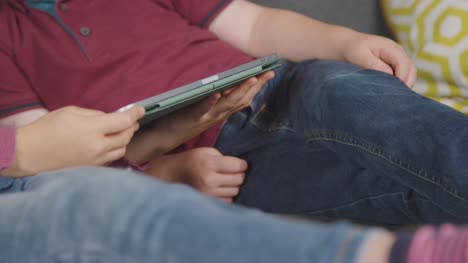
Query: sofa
(363, 15)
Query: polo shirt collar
(20, 5)
(47, 6)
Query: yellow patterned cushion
(435, 34)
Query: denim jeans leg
(108, 215)
(375, 121)
(363, 144)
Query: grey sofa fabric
(362, 15)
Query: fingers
(112, 156)
(242, 96)
(405, 72)
(121, 139)
(402, 71)
(249, 92)
(382, 54)
(206, 151)
(230, 165)
(116, 144)
(377, 64)
(231, 102)
(229, 186)
(226, 192)
(262, 81)
(226, 92)
(231, 180)
(204, 106)
(119, 121)
(413, 76)
(401, 63)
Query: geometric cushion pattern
(435, 34)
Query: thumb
(119, 121)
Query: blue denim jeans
(108, 215)
(334, 140)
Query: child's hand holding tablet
(190, 121)
(173, 100)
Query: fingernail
(246, 165)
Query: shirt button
(63, 7)
(85, 31)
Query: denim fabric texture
(333, 140)
(119, 216)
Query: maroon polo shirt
(105, 54)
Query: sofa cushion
(363, 15)
(435, 33)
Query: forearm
(20, 147)
(296, 37)
(15, 167)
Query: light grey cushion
(362, 15)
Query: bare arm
(71, 137)
(295, 37)
(169, 132)
(264, 30)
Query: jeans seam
(398, 163)
(433, 204)
(400, 194)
